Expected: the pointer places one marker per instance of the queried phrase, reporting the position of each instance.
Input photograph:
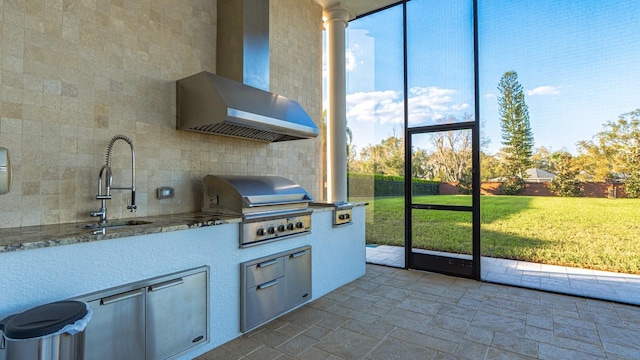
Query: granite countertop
(35, 237)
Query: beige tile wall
(74, 73)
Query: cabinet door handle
(166, 284)
(267, 263)
(298, 254)
(267, 284)
(120, 297)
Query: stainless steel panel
(264, 302)
(297, 278)
(276, 228)
(242, 46)
(176, 315)
(342, 212)
(264, 271)
(212, 104)
(342, 217)
(116, 329)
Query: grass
(592, 233)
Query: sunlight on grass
(591, 233)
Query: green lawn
(591, 233)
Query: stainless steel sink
(115, 224)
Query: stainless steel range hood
(213, 104)
(236, 101)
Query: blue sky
(578, 61)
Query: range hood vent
(213, 104)
(236, 101)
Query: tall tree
(517, 136)
(541, 158)
(615, 153)
(451, 156)
(566, 182)
(386, 158)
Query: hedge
(367, 185)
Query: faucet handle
(133, 206)
(103, 197)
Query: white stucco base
(34, 277)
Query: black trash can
(53, 331)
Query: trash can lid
(45, 319)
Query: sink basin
(115, 224)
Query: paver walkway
(595, 284)
(394, 313)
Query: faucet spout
(132, 207)
(105, 174)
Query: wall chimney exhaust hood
(236, 101)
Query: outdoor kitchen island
(48, 263)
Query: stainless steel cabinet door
(116, 328)
(298, 278)
(176, 315)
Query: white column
(336, 18)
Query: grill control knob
(261, 232)
(280, 228)
(342, 216)
(290, 226)
(299, 225)
(271, 230)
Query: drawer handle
(267, 284)
(166, 284)
(298, 254)
(120, 297)
(267, 263)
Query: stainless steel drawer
(272, 285)
(264, 302)
(264, 271)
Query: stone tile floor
(601, 285)
(393, 313)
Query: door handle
(268, 284)
(120, 297)
(267, 263)
(298, 254)
(166, 284)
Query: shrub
(512, 186)
(465, 183)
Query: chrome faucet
(106, 174)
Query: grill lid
(245, 194)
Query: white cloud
(377, 106)
(350, 60)
(386, 107)
(489, 95)
(543, 90)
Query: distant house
(534, 175)
(539, 175)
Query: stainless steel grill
(272, 207)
